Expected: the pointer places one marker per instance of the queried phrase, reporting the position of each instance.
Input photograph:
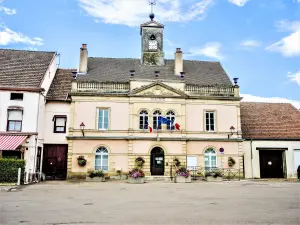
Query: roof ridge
(24, 50)
(190, 60)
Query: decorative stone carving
(159, 91)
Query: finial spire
(152, 3)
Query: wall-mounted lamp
(82, 128)
(132, 72)
(232, 129)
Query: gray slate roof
(117, 70)
(20, 68)
(61, 85)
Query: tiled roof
(270, 121)
(117, 70)
(20, 68)
(61, 85)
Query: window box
(182, 179)
(138, 180)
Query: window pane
(60, 122)
(14, 115)
(60, 129)
(207, 127)
(212, 127)
(11, 125)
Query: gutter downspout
(37, 130)
(251, 158)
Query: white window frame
(102, 151)
(171, 115)
(144, 114)
(209, 155)
(209, 124)
(102, 122)
(156, 115)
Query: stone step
(157, 178)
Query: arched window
(156, 114)
(210, 159)
(101, 159)
(170, 116)
(144, 118)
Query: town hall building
(117, 102)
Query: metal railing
(107, 87)
(217, 90)
(198, 173)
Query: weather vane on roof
(152, 3)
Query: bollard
(19, 176)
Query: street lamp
(232, 129)
(82, 128)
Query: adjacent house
(118, 105)
(25, 79)
(272, 139)
(57, 119)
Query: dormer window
(16, 96)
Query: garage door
(297, 158)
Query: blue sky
(255, 40)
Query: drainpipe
(37, 130)
(251, 158)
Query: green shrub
(9, 169)
(97, 173)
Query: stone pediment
(157, 89)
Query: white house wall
(252, 169)
(52, 109)
(49, 75)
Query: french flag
(149, 127)
(163, 120)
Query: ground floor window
(210, 159)
(101, 159)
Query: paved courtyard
(244, 202)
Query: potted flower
(136, 176)
(81, 161)
(95, 176)
(182, 175)
(213, 176)
(139, 162)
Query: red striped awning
(11, 142)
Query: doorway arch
(157, 165)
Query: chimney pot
(178, 62)
(83, 59)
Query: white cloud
(7, 10)
(288, 46)
(239, 3)
(295, 77)
(252, 98)
(250, 43)
(134, 12)
(211, 50)
(8, 36)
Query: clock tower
(152, 43)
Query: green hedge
(9, 169)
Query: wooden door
(157, 162)
(271, 164)
(55, 161)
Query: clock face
(152, 45)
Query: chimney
(83, 59)
(178, 61)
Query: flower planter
(182, 179)
(139, 180)
(214, 179)
(95, 179)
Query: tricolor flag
(149, 127)
(163, 120)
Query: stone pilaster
(70, 156)
(241, 158)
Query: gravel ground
(244, 202)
